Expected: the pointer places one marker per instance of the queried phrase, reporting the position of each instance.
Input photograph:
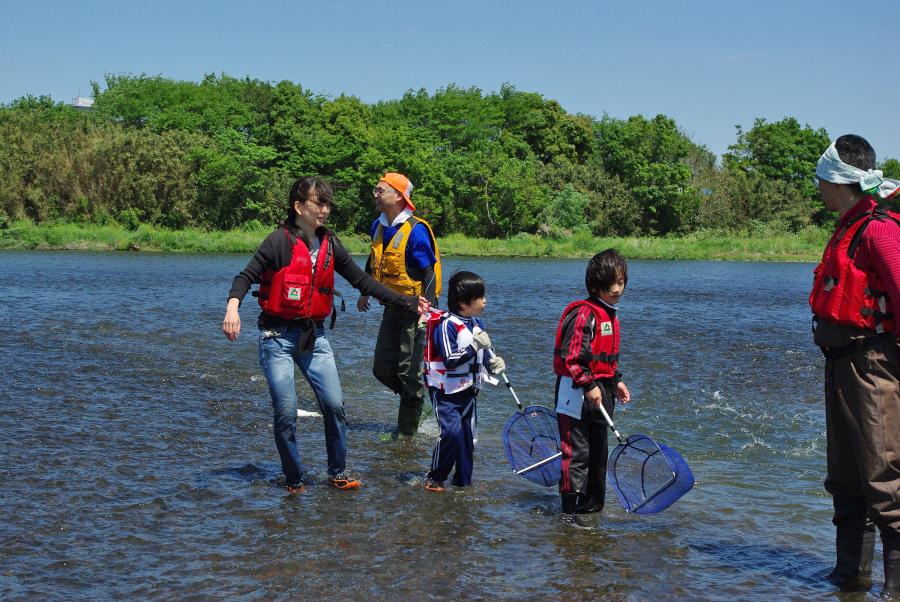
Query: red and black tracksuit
(587, 347)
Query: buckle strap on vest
(881, 314)
(334, 308)
(473, 369)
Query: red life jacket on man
(604, 346)
(300, 290)
(845, 294)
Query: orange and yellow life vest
(387, 260)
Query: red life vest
(299, 290)
(604, 347)
(845, 294)
(432, 351)
(437, 375)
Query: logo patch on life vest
(293, 294)
(605, 328)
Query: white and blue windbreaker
(451, 362)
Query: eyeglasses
(320, 206)
(381, 191)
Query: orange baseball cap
(401, 184)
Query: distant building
(82, 104)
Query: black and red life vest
(604, 347)
(300, 290)
(843, 293)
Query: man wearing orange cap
(404, 257)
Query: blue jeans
(277, 356)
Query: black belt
(836, 353)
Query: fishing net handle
(610, 422)
(506, 382)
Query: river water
(137, 457)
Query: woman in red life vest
(295, 267)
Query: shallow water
(137, 460)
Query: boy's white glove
(497, 365)
(480, 339)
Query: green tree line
(223, 152)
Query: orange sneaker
(298, 488)
(432, 485)
(343, 480)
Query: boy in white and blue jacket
(458, 360)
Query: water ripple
(137, 459)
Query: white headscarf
(831, 169)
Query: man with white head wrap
(856, 286)
(831, 169)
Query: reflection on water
(137, 460)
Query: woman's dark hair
(604, 269)
(303, 189)
(464, 287)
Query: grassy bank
(760, 245)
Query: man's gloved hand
(497, 365)
(481, 340)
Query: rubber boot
(427, 412)
(408, 417)
(569, 501)
(407, 421)
(588, 506)
(891, 589)
(855, 549)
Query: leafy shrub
(566, 210)
(130, 218)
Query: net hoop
(531, 442)
(647, 476)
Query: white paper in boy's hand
(569, 401)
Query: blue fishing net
(648, 477)
(531, 441)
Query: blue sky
(708, 65)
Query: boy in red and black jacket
(585, 359)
